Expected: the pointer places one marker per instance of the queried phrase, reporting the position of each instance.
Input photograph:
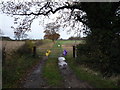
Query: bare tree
(69, 12)
(22, 26)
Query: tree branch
(51, 9)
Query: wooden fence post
(3, 53)
(73, 51)
(34, 51)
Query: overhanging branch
(51, 10)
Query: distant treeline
(6, 39)
(76, 38)
(71, 38)
(9, 39)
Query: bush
(16, 69)
(83, 53)
(96, 59)
(27, 48)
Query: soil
(34, 78)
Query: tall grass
(17, 66)
(93, 78)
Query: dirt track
(35, 80)
(71, 81)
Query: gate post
(34, 51)
(73, 51)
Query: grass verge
(16, 68)
(95, 79)
(51, 72)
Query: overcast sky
(37, 29)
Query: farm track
(34, 79)
(71, 81)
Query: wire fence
(56, 52)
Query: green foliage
(26, 48)
(16, 68)
(95, 79)
(18, 65)
(100, 15)
(51, 72)
(96, 59)
(101, 50)
(76, 38)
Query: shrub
(96, 59)
(26, 48)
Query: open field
(42, 49)
(68, 44)
(71, 42)
(12, 45)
